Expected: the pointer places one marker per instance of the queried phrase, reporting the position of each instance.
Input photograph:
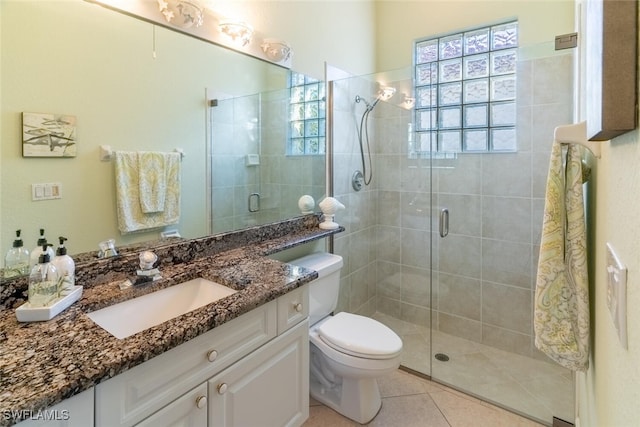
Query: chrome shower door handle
(254, 202)
(444, 222)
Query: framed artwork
(48, 135)
(611, 60)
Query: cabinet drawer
(135, 394)
(190, 410)
(293, 307)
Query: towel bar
(576, 134)
(106, 153)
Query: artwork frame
(612, 60)
(48, 135)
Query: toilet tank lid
(322, 262)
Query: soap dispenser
(65, 266)
(43, 280)
(37, 251)
(17, 260)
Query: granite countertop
(42, 363)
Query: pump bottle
(37, 251)
(43, 281)
(65, 266)
(17, 260)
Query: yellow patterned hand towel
(131, 218)
(152, 179)
(561, 306)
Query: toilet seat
(360, 336)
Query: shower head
(385, 93)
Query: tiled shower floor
(532, 387)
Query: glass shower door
(463, 303)
(483, 275)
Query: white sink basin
(135, 315)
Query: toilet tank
(324, 291)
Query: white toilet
(348, 352)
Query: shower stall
(254, 180)
(442, 246)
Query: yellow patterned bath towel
(561, 307)
(131, 215)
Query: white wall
(400, 22)
(610, 391)
(613, 381)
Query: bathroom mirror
(133, 86)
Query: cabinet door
(130, 397)
(270, 387)
(76, 411)
(190, 410)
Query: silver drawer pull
(297, 307)
(212, 355)
(201, 402)
(222, 388)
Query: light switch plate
(46, 191)
(617, 293)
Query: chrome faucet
(147, 271)
(107, 248)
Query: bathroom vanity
(259, 360)
(206, 367)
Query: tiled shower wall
(357, 244)
(484, 270)
(257, 124)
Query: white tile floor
(535, 388)
(411, 401)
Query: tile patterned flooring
(532, 387)
(410, 401)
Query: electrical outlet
(617, 293)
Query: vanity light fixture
(386, 92)
(239, 32)
(408, 102)
(182, 13)
(276, 50)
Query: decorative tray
(26, 313)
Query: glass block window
(465, 85)
(306, 133)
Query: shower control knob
(297, 307)
(357, 180)
(222, 388)
(212, 355)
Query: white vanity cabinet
(76, 411)
(270, 387)
(255, 364)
